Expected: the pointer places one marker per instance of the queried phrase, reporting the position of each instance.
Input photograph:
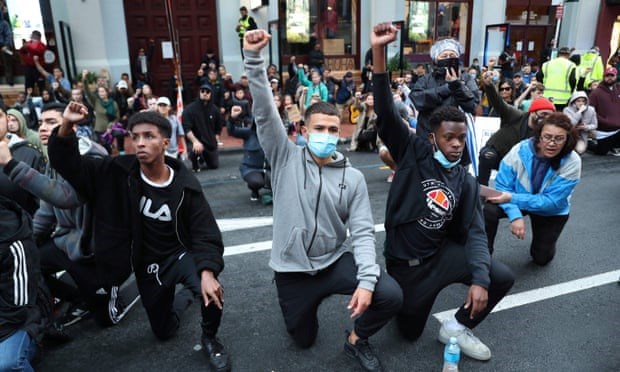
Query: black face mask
(447, 64)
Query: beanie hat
(446, 44)
(541, 104)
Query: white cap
(163, 100)
(121, 84)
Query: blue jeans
(17, 351)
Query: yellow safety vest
(556, 80)
(245, 23)
(593, 61)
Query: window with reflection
(427, 21)
(332, 23)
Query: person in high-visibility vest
(591, 67)
(558, 77)
(245, 23)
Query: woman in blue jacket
(537, 178)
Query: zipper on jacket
(316, 212)
(176, 220)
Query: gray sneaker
(470, 345)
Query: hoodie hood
(578, 94)
(15, 222)
(23, 128)
(14, 139)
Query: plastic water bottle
(451, 356)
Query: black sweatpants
(210, 157)
(487, 161)
(255, 180)
(604, 145)
(157, 282)
(300, 295)
(421, 284)
(83, 273)
(546, 231)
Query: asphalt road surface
(563, 317)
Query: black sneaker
(254, 196)
(363, 353)
(218, 358)
(75, 314)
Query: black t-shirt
(422, 238)
(156, 207)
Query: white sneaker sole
(444, 339)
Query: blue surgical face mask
(473, 76)
(495, 78)
(322, 145)
(441, 158)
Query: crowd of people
(101, 211)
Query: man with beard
(606, 100)
(202, 121)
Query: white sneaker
(470, 345)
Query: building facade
(96, 34)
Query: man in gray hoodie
(317, 197)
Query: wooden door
(532, 38)
(196, 23)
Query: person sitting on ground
(533, 91)
(345, 92)
(162, 225)
(60, 86)
(311, 267)
(365, 135)
(583, 118)
(21, 150)
(314, 86)
(177, 135)
(537, 178)
(17, 125)
(506, 92)
(606, 101)
(515, 126)
(253, 164)
(433, 221)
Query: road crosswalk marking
(508, 302)
(545, 293)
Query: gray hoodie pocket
(294, 252)
(322, 245)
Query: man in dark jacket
(443, 86)
(21, 320)
(160, 224)
(434, 225)
(606, 100)
(515, 125)
(202, 121)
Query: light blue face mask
(322, 145)
(441, 158)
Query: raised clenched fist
(256, 40)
